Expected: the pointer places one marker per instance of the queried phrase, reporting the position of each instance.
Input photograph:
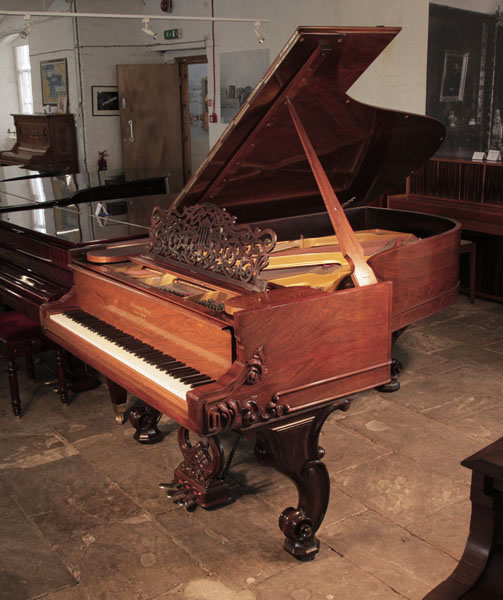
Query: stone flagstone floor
(82, 517)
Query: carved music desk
(259, 304)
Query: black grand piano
(44, 216)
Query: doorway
(164, 116)
(194, 102)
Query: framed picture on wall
(452, 88)
(54, 78)
(105, 100)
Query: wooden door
(150, 119)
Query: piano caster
(144, 419)
(394, 384)
(291, 446)
(198, 479)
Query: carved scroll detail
(197, 479)
(243, 412)
(206, 237)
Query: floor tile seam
(211, 573)
(358, 513)
(370, 573)
(47, 543)
(361, 435)
(367, 461)
(484, 441)
(481, 366)
(497, 404)
(104, 474)
(289, 567)
(382, 517)
(433, 420)
(174, 588)
(453, 426)
(410, 458)
(48, 594)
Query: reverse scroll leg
(144, 419)
(291, 446)
(198, 479)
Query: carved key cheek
(256, 367)
(254, 374)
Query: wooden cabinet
(44, 143)
(472, 193)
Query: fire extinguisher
(102, 161)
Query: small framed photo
(62, 106)
(105, 100)
(452, 88)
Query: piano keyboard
(164, 370)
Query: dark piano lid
(72, 226)
(258, 168)
(23, 189)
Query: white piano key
(143, 368)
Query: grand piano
(42, 217)
(258, 304)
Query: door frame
(183, 68)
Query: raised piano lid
(65, 227)
(22, 189)
(259, 170)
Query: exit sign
(172, 34)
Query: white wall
(8, 91)
(396, 80)
(93, 48)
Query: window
(23, 70)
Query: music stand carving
(205, 238)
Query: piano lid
(24, 189)
(258, 168)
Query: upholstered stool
(21, 336)
(467, 246)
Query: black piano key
(169, 364)
(194, 385)
(195, 379)
(181, 371)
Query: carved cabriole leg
(11, 369)
(118, 397)
(197, 479)
(291, 446)
(62, 387)
(144, 419)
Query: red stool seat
(22, 336)
(15, 327)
